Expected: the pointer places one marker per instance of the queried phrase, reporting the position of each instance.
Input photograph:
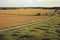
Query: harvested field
(9, 20)
(12, 17)
(47, 30)
(27, 11)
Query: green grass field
(48, 30)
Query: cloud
(46, 0)
(29, 3)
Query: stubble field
(12, 17)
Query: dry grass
(9, 20)
(27, 11)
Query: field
(12, 17)
(8, 21)
(27, 11)
(45, 30)
(48, 30)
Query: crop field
(47, 30)
(27, 11)
(8, 21)
(12, 17)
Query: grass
(43, 31)
(27, 11)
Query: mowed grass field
(47, 30)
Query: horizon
(27, 7)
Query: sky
(29, 3)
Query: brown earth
(7, 21)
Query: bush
(14, 35)
(2, 37)
(57, 31)
(38, 14)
